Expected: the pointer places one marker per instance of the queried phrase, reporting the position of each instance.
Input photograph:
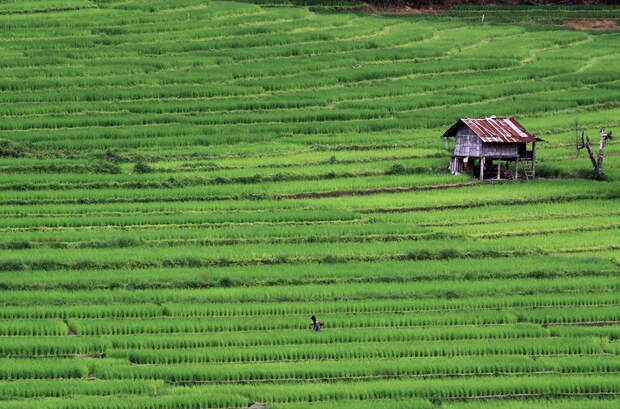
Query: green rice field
(183, 183)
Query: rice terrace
(185, 183)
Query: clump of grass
(142, 167)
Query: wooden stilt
(499, 170)
(482, 160)
(517, 169)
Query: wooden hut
(482, 144)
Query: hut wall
(467, 143)
(500, 150)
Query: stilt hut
(482, 144)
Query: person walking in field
(316, 325)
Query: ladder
(528, 170)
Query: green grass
(184, 183)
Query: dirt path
(399, 10)
(586, 25)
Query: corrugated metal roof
(494, 129)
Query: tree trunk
(592, 158)
(601, 156)
(533, 160)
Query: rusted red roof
(494, 129)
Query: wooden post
(517, 169)
(482, 168)
(499, 170)
(533, 160)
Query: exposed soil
(399, 10)
(404, 7)
(604, 24)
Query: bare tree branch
(597, 160)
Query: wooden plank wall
(467, 143)
(500, 150)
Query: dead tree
(597, 160)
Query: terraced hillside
(183, 183)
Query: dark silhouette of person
(316, 325)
